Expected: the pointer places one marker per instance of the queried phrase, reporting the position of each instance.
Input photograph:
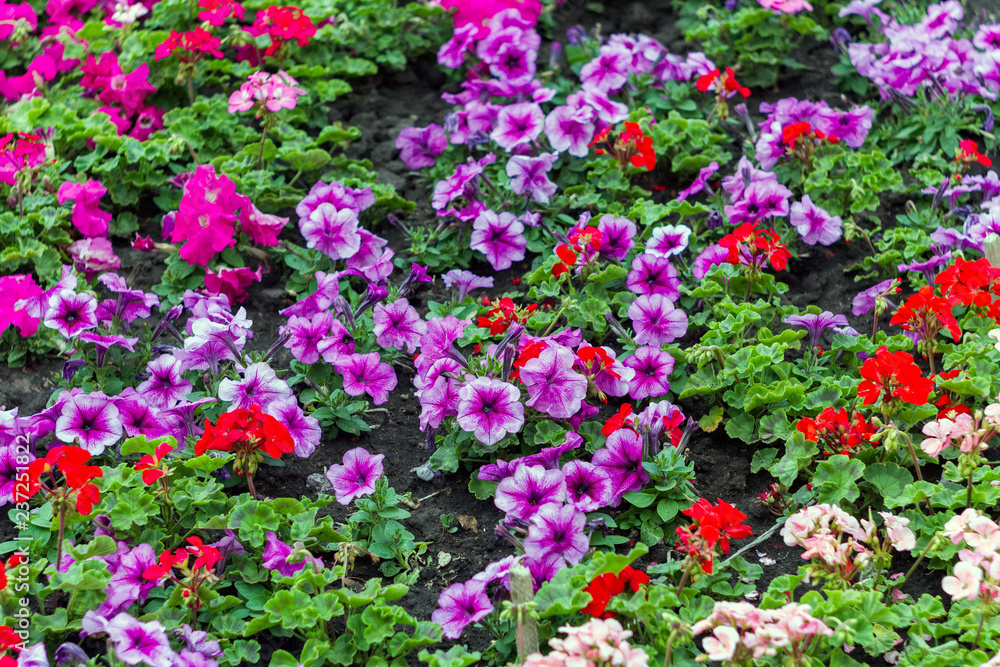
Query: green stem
(260, 155)
(979, 630)
(686, 576)
(968, 495)
(670, 647)
(913, 455)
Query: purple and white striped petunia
(366, 374)
(553, 386)
(529, 176)
(357, 476)
(569, 130)
(518, 124)
(668, 240)
(652, 369)
(499, 237)
(621, 459)
(460, 605)
(588, 487)
(556, 531)
(398, 325)
(651, 275)
(523, 493)
(260, 385)
(136, 642)
(813, 223)
(617, 236)
(332, 231)
(92, 421)
(490, 409)
(656, 321)
(69, 312)
(166, 385)
(305, 430)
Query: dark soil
(381, 107)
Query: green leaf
(456, 656)
(763, 458)
(836, 479)
(889, 478)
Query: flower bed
(573, 343)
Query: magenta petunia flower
(464, 282)
(699, 183)
(92, 256)
(569, 130)
(588, 487)
(668, 240)
(341, 196)
(327, 290)
(553, 386)
(852, 126)
(452, 53)
(500, 238)
(305, 429)
(460, 605)
(521, 495)
(206, 219)
(652, 369)
(518, 124)
(275, 557)
(599, 104)
(418, 146)
(621, 459)
(93, 422)
(490, 409)
(529, 176)
(556, 531)
(651, 275)
(11, 460)
(137, 642)
(814, 224)
(617, 236)
(398, 325)
(549, 457)
(127, 584)
(656, 321)
(139, 418)
(713, 255)
(259, 386)
(609, 70)
(332, 231)
(761, 199)
(357, 476)
(69, 312)
(815, 323)
(499, 471)
(305, 335)
(87, 216)
(438, 401)
(366, 374)
(864, 301)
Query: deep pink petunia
(621, 459)
(553, 386)
(556, 531)
(87, 216)
(652, 369)
(397, 325)
(588, 487)
(366, 374)
(461, 604)
(357, 476)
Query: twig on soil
(764, 536)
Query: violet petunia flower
(553, 386)
(569, 130)
(652, 369)
(865, 300)
(651, 275)
(852, 127)
(327, 290)
(366, 374)
(713, 255)
(304, 429)
(529, 176)
(91, 421)
(699, 183)
(609, 70)
(465, 281)
(398, 325)
(815, 323)
(69, 312)
(166, 385)
(927, 268)
(418, 146)
(523, 493)
(136, 642)
(617, 236)
(668, 240)
(275, 557)
(499, 237)
(332, 231)
(621, 458)
(259, 386)
(549, 457)
(357, 476)
(305, 335)
(490, 409)
(813, 223)
(438, 401)
(139, 418)
(460, 605)
(499, 471)
(518, 124)
(656, 321)
(588, 486)
(127, 584)
(556, 531)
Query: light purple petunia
(569, 130)
(588, 487)
(438, 402)
(490, 409)
(599, 104)
(549, 457)
(305, 335)
(341, 196)
(69, 312)
(127, 584)
(556, 531)
(357, 476)
(327, 290)
(523, 493)
(656, 416)
(332, 231)
(499, 471)
(864, 301)
(813, 223)
(139, 418)
(304, 428)
(136, 642)
(418, 146)
(131, 303)
(617, 236)
(668, 240)
(652, 369)
(553, 386)
(815, 323)
(460, 605)
(92, 421)
(761, 199)
(452, 53)
(518, 124)
(499, 237)
(465, 281)
(713, 255)
(166, 385)
(651, 275)
(275, 557)
(852, 127)
(621, 459)
(529, 176)
(366, 374)
(699, 183)
(259, 385)
(656, 321)
(609, 70)
(928, 267)
(397, 325)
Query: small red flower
(75, 487)
(568, 258)
(838, 433)
(608, 585)
(968, 153)
(892, 375)
(622, 419)
(150, 464)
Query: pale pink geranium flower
(721, 645)
(267, 92)
(939, 433)
(963, 582)
(900, 535)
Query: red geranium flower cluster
(152, 465)
(250, 433)
(723, 83)
(190, 46)
(630, 146)
(526, 353)
(608, 585)
(753, 247)
(713, 526)
(586, 242)
(973, 283)
(836, 431)
(74, 490)
(892, 375)
(926, 314)
(10, 642)
(622, 419)
(192, 577)
(502, 315)
(283, 24)
(967, 155)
